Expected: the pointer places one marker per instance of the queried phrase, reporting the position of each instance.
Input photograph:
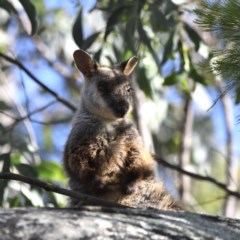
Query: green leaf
(193, 35)
(77, 31)
(175, 78)
(114, 18)
(16, 158)
(129, 35)
(6, 162)
(196, 76)
(170, 80)
(180, 80)
(4, 106)
(147, 42)
(26, 170)
(32, 14)
(237, 98)
(86, 43)
(184, 84)
(8, 6)
(167, 53)
(6, 168)
(144, 82)
(15, 201)
(159, 20)
(51, 171)
(184, 56)
(50, 198)
(168, 7)
(3, 136)
(98, 54)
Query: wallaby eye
(102, 86)
(129, 89)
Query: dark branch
(202, 203)
(53, 188)
(212, 180)
(36, 111)
(47, 89)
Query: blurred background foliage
(174, 89)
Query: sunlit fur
(104, 155)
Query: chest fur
(111, 153)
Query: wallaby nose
(121, 109)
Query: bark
(185, 151)
(112, 223)
(230, 203)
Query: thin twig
(29, 115)
(47, 89)
(52, 121)
(209, 201)
(212, 180)
(26, 116)
(53, 188)
(36, 111)
(27, 100)
(7, 114)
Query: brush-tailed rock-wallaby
(104, 155)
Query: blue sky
(69, 5)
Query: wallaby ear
(85, 63)
(128, 66)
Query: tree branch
(53, 188)
(212, 180)
(98, 201)
(47, 89)
(26, 116)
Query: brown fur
(104, 155)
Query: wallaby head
(107, 91)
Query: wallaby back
(104, 155)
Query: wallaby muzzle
(120, 108)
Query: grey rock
(112, 223)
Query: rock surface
(112, 223)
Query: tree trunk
(185, 151)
